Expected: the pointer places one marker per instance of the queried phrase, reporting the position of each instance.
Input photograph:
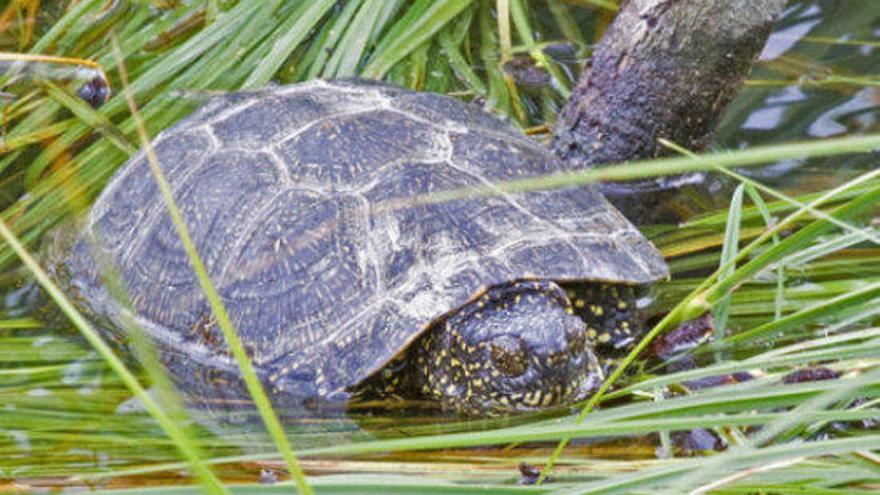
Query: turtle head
(517, 348)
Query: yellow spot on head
(532, 398)
(604, 338)
(580, 303)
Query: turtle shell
(307, 206)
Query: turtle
(311, 208)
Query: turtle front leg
(611, 314)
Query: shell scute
(268, 117)
(132, 195)
(215, 201)
(349, 149)
(452, 113)
(301, 272)
(498, 159)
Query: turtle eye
(508, 356)
(576, 343)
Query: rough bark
(664, 69)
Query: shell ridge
(556, 229)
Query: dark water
(818, 77)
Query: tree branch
(665, 69)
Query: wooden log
(664, 69)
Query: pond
(67, 420)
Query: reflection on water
(797, 23)
(858, 114)
(818, 77)
(770, 116)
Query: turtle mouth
(533, 401)
(560, 388)
(581, 390)
(589, 386)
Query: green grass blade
(315, 60)
(524, 30)
(721, 310)
(772, 192)
(186, 445)
(59, 27)
(780, 269)
(830, 246)
(731, 461)
(771, 456)
(91, 118)
(296, 29)
(797, 241)
(867, 295)
(498, 98)
(356, 42)
(459, 64)
(567, 24)
(249, 375)
(424, 19)
(752, 157)
(16, 323)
